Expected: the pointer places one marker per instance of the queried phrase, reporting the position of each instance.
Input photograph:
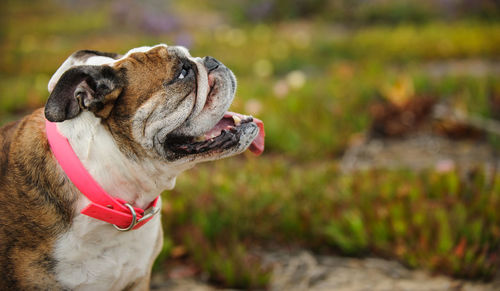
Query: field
(312, 79)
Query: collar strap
(102, 206)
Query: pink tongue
(257, 146)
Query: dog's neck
(137, 182)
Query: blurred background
(382, 127)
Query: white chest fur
(92, 255)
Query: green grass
(435, 220)
(312, 83)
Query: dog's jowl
(80, 178)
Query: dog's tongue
(257, 146)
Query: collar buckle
(149, 213)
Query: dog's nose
(210, 63)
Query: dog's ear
(93, 88)
(82, 58)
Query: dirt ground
(419, 152)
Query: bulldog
(80, 179)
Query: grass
(437, 220)
(312, 82)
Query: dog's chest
(92, 255)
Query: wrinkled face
(155, 101)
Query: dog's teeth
(199, 138)
(237, 120)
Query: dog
(123, 126)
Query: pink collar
(102, 206)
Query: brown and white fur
(124, 116)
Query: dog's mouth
(224, 135)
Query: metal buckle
(150, 212)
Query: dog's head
(158, 102)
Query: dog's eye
(183, 73)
